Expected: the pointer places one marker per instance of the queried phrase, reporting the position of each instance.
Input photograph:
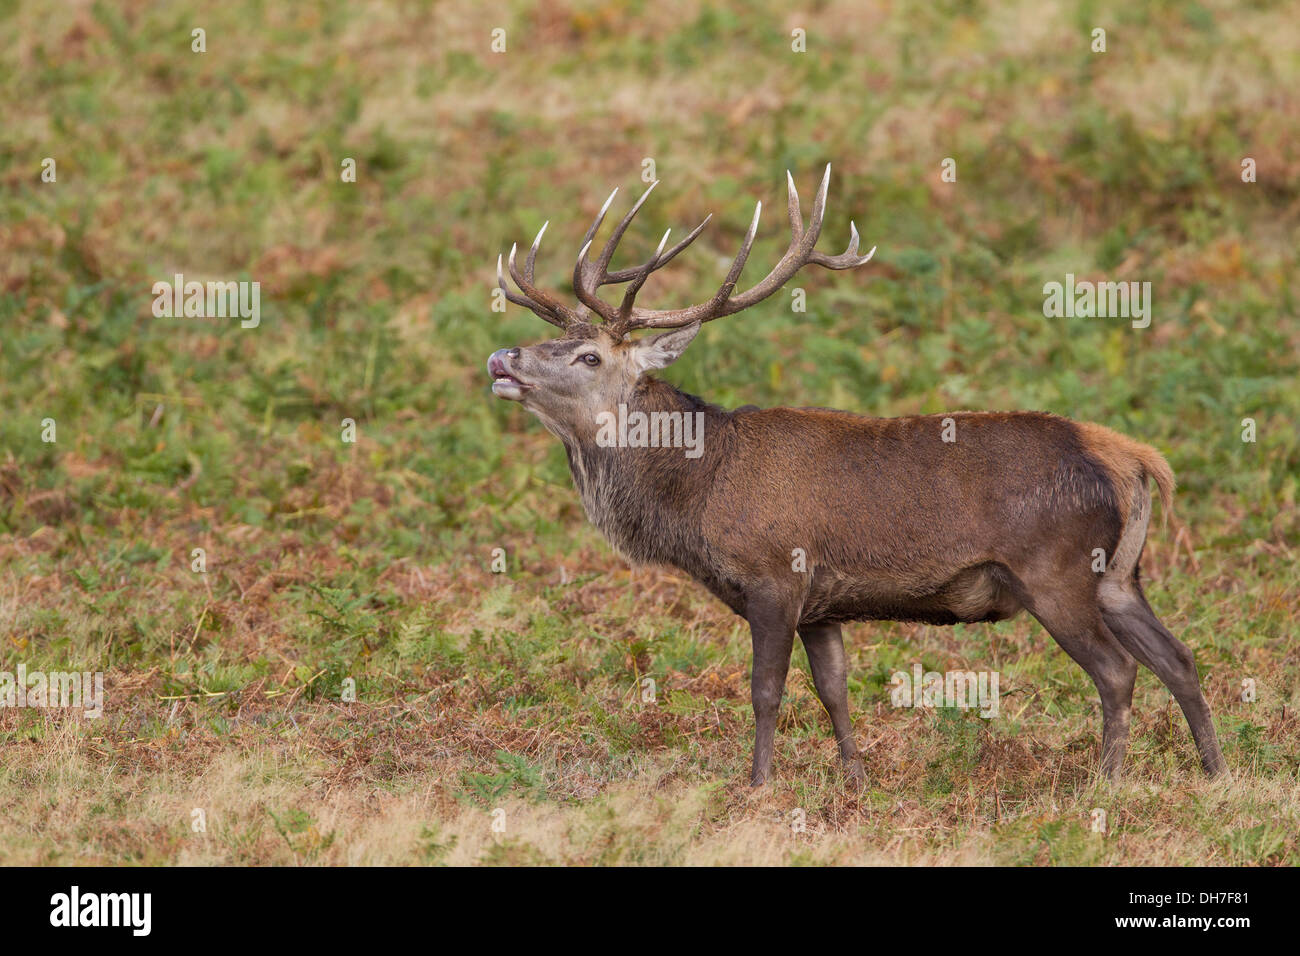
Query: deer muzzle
(505, 384)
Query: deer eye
(592, 359)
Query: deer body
(800, 519)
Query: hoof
(854, 770)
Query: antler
(621, 319)
(533, 297)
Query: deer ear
(663, 349)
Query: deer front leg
(771, 626)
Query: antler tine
(796, 217)
(607, 253)
(580, 268)
(733, 274)
(618, 327)
(600, 217)
(809, 239)
(588, 277)
(540, 310)
(586, 296)
(847, 259)
(559, 315)
(627, 275)
(532, 252)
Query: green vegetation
(369, 562)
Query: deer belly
(977, 593)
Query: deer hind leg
(1077, 626)
(825, 646)
(1066, 605)
(1060, 590)
(1127, 614)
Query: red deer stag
(896, 522)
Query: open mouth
(504, 383)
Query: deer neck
(647, 500)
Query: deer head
(596, 363)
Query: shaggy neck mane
(647, 501)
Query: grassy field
(370, 562)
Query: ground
(333, 563)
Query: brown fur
(1129, 462)
(897, 524)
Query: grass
(331, 565)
